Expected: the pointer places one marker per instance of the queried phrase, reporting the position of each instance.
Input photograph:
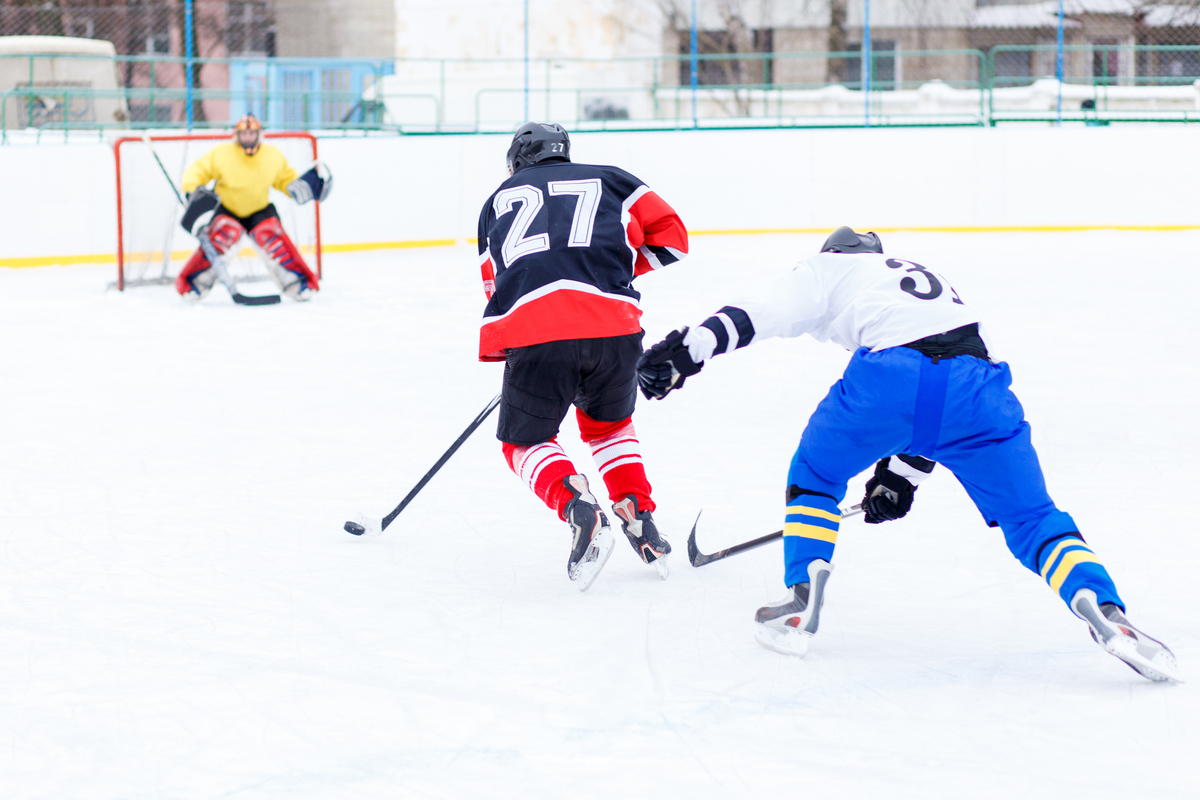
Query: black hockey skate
(643, 534)
(593, 541)
(787, 626)
(1148, 657)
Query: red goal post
(151, 246)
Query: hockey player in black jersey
(559, 246)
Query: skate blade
(1159, 669)
(790, 642)
(661, 565)
(588, 568)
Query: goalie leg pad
(224, 232)
(283, 260)
(197, 277)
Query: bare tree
(837, 69)
(733, 39)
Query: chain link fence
(148, 33)
(998, 62)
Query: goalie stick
(699, 559)
(210, 252)
(358, 530)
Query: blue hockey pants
(958, 412)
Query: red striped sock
(542, 467)
(618, 455)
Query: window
(1105, 60)
(249, 28)
(883, 64)
(1012, 64)
(337, 98)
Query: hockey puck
(355, 528)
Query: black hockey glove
(890, 496)
(665, 366)
(200, 202)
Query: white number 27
(583, 223)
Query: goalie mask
(248, 134)
(845, 240)
(537, 141)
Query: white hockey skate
(1148, 657)
(787, 626)
(643, 534)
(592, 541)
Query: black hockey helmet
(538, 141)
(845, 240)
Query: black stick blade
(355, 528)
(696, 558)
(256, 300)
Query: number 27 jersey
(559, 246)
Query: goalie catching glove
(198, 210)
(666, 365)
(890, 491)
(316, 182)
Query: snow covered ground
(181, 615)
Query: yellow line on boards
(111, 258)
(354, 248)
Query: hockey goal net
(151, 245)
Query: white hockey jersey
(857, 300)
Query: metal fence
(1101, 84)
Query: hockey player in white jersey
(920, 389)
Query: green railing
(1102, 84)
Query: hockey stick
(359, 530)
(210, 252)
(699, 559)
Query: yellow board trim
(819, 513)
(1058, 548)
(17, 262)
(1069, 562)
(354, 248)
(809, 532)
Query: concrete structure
(61, 87)
(336, 28)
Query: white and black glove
(890, 491)
(666, 365)
(198, 210)
(316, 182)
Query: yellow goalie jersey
(243, 182)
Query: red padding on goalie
(274, 241)
(223, 232)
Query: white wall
(59, 199)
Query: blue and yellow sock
(809, 532)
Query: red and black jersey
(559, 247)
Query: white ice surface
(182, 616)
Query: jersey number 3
(517, 244)
(909, 285)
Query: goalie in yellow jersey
(245, 170)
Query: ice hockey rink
(182, 615)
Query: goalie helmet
(535, 142)
(248, 134)
(845, 240)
